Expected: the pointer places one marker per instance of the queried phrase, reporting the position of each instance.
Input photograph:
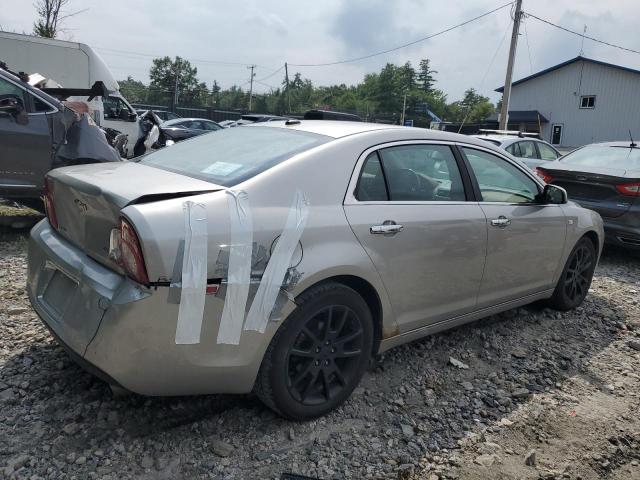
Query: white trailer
(72, 65)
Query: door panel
(432, 268)
(410, 213)
(25, 150)
(522, 256)
(525, 238)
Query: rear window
(605, 156)
(231, 156)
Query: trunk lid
(88, 199)
(594, 187)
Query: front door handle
(501, 222)
(387, 227)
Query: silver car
(280, 258)
(531, 151)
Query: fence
(200, 112)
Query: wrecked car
(281, 257)
(38, 133)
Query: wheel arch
(369, 294)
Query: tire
(309, 369)
(574, 283)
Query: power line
(133, 54)
(270, 75)
(404, 45)
(597, 40)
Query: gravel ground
(529, 394)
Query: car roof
(340, 129)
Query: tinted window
(546, 152)
(527, 150)
(371, 186)
(513, 149)
(605, 156)
(422, 173)
(210, 126)
(233, 154)
(8, 89)
(499, 181)
(114, 107)
(39, 105)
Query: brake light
(629, 189)
(130, 254)
(49, 207)
(544, 175)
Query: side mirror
(553, 195)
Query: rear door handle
(501, 222)
(388, 227)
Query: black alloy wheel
(325, 355)
(575, 280)
(578, 275)
(318, 355)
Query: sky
(128, 34)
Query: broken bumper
(125, 333)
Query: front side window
(115, 108)
(39, 106)
(233, 155)
(498, 180)
(426, 173)
(546, 152)
(588, 101)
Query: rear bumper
(125, 333)
(624, 231)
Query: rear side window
(546, 152)
(422, 173)
(371, 185)
(233, 155)
(527, 150)
(514, 149)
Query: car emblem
(81, 205)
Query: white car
(533, 152)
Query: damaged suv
(39, 133)
(282, 257)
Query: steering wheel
(409, 180)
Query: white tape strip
(278, 265)
(239, 271)
(194, 274)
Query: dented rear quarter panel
(328, 246)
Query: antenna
(633, 145)
(584, 31)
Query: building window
(588, 101)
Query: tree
(165, 73)
(425, 75)
(133, 90)
(215, 93)
(472, 108)
(51, 13)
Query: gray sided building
(578, 102)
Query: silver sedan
(281, 258)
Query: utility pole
(286, 76)
(404, 107)
(504, 113)
(175, 89)
(251, 85)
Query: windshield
(231, 156)
(605, 156)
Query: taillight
(130, 254)
(544, 175)
(629, 189)
(49, 207)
